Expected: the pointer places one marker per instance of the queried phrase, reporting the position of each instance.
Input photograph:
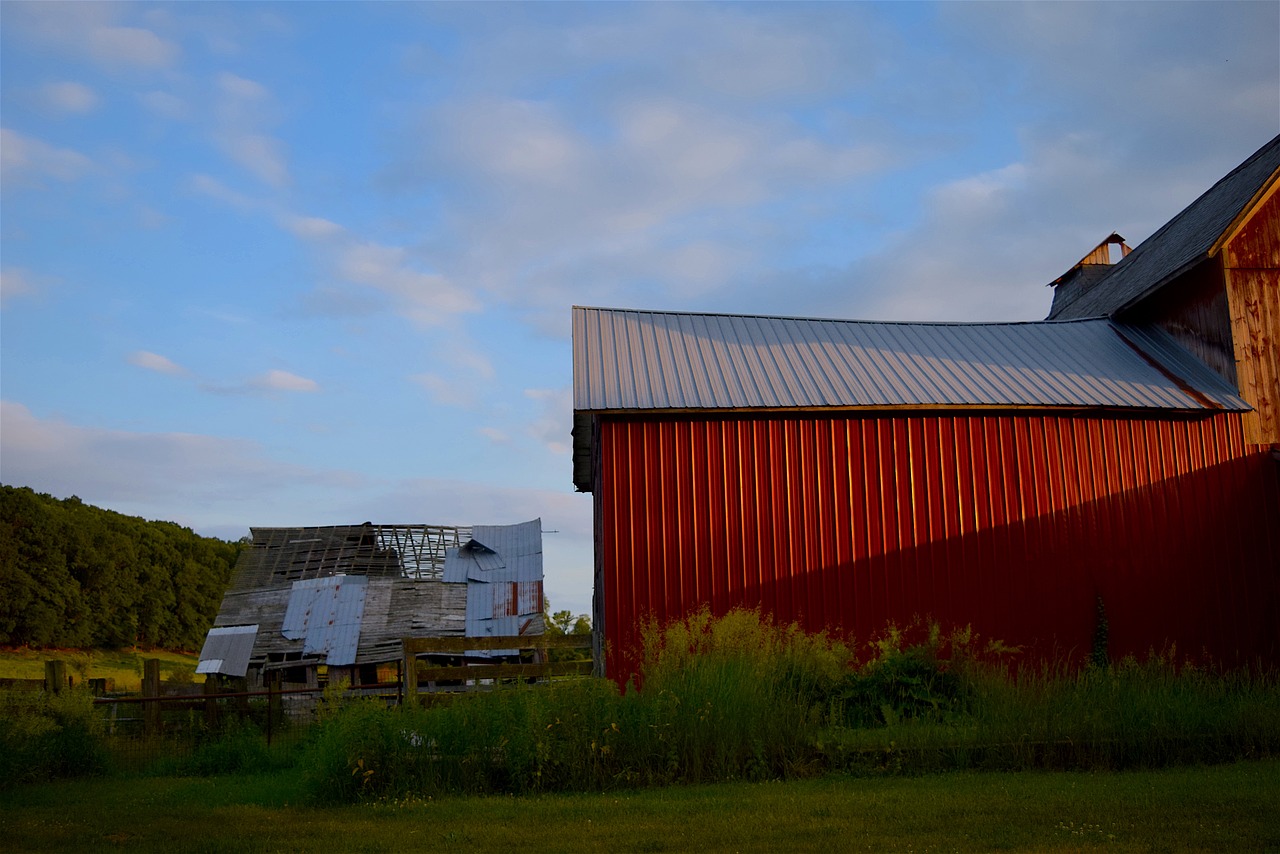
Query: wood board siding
(1194, 311)
(1014, 524)
(1251, 259)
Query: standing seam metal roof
(683, 361)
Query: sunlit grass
(121, 668)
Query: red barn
(1009, 476)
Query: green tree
(75, 575)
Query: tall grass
(1134, 714)
(44, 736)
(738, 697)
(729, 698)
(733, 698)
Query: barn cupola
(1088, 272)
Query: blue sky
(306, 264)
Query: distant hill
(75, 575)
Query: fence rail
(415, 670)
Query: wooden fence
(415, 671)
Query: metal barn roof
(502, 566)
(645, 360)
(325, 614)
(634, 361)
(1184, 241)
(227, 650)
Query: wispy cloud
(554, 423)
(210, 186)
(243, 109)
(447, 391)
(310, 227)
(277, 380)
(159, 469)
(155, 362)
(16, 282)
(427, 298)
(67, 96)
(165, 104)
(93, 31)
(27, 160)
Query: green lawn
(1218, 808)
(121, 668)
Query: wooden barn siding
(1013, 524)
(1251, 261)
(1195, 311)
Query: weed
(45, 736)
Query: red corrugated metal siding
(1011, 523)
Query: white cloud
(453, 392)
(277, 380)
(262, 155)
(244, 108)
(269, 383)
(131, 46)
(165, 104)
(93, 31)
(156, 362)
(310, 227)
(656, 198)
(241, 88)
(493, 434)
(554, 423)
(429, 299)
(16, 282)
(27, 159)
(160, 470)
(69, 97)
(213, 188)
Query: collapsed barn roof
(348, 594)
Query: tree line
(75, 575)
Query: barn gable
(1190, 238)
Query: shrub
(930, 680)
(47, 736)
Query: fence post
(212, 686)
(151, 695)
(409, 674)
(274, 704)
(55, 676)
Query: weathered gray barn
(345, 596)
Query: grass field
(1215, 808)
(121, 668)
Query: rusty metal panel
(502, 567)
(1014, 524)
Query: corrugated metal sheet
(326, 614)
(227, 650)
(1181, 243)
(1013, 523)
(648, 360)
(404, 594)
(502, 565)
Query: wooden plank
(458, 646)
(1251, 257)
(502, 671)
